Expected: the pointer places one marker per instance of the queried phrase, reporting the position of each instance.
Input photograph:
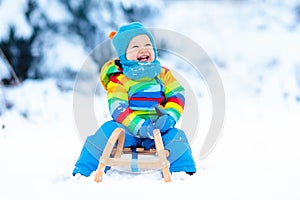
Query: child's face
(140, 48)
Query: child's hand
(164, 123)
(146, 131)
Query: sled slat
(140, 151)
(113, 156)
(123, 162)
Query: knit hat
(124, 35)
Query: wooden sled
(112, 156)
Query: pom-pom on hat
(124, 35)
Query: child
(142, 96)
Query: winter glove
(164, 123)
(146, 131)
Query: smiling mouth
(143, 58)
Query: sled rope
(134, 161)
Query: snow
(54, 11)
(13, 18)
(257, 157)
(69, 54)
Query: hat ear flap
(112, 34)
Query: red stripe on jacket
(176, 100)
(159, 100)
(123, 115)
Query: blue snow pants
(174, 140)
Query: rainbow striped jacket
(131, 102)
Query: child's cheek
(131, 55)
(152, 55)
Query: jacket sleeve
(119, 106)
(174, 94)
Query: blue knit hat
(124, 35)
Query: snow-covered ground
(257, 157)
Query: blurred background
(41, 39)
(254, 44)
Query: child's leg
(93, 148)
(180, 158)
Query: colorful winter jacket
(131, 102)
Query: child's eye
(148, 45)
(135, 46)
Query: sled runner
(112, 156)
